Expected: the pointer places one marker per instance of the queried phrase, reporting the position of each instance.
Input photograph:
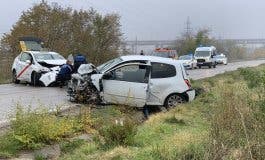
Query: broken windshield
(46, 56)
(102, 68)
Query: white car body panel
(128, 93)
(191, 95)
(96, 80)
(48, 78)
(160, 88)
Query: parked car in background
(221, 59)
(165, 52)
(188, 61)
(134, 81)
(205, 56)
(29, 66)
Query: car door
(162, 80)
(127, 84)
(23, 66)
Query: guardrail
(246, 59)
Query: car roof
(205, 48)
(149, 58)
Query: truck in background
(205, 56)
(165, 52)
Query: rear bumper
(191, 94)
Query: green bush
(34, 128)
(235, 131)
(8, 146)
(70, 146)
(255, 78)
(119, 134)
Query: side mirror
(108, 75)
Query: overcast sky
(163, 19)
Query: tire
(214, 66)
(210, 66)
(34, 79)
(14, 77)
(199, 67)
(173, 100)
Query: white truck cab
(205, 56)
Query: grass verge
(226, 121)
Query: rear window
(162, 70)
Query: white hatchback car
(143, 80)
(29, 66)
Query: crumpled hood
(55, 62)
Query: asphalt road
(27, 96)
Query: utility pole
(188, 28)
(136, 45)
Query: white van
(205, 56)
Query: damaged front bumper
(48, 78)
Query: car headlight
(44, 69)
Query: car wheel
(173, 100)
(14, 77)
(199, 67)
(34, 79)
(210, 66)
(214, 66)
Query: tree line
(98, 37)
(188, 42)
(67, 31)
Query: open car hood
(54, 62)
